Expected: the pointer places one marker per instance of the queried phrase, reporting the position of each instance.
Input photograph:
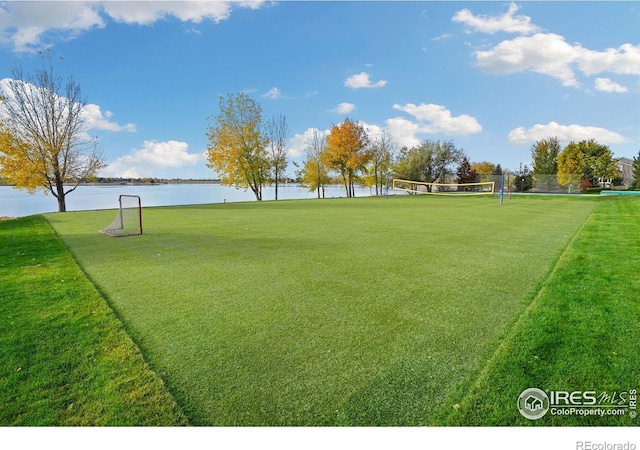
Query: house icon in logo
(533, 403)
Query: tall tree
(544, 154)
(465, 173)
(44, 144)
(601, 165)
(431, 161)
(411, 164)
(237, 149)
(315, 174)
(278, 131)
(381, 156)
(636, 172)
(347, 152)
(570, 165)
(484, 169)
(590, 160)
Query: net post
(502, 189)
(120, 211)
(140, 214)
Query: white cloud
(624, 60)
(298, 143)
(507, 22)
(273, 94)
(438, 119)
(606, 85)
(564, 133)
(549, 54)
(344, 108)
(152, 157)
(92, 114)
(23, 24)
(441, 37)
(97, 120)
(546, 53)
(361, 80)
(27, 26)
(404, 131)
(373, 131)
(145, 13)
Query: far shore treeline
(248, 151)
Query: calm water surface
(16, 203)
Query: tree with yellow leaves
(586, 160)
(347, 152)
(43, 141)
(314, 174)
(237, 149)
(570, 166)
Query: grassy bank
(66, 359)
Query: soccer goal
(128, 221)
(420, 187)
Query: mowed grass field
(344, 311)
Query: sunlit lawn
(325, 312)
(65, 357)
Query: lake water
(16, 203)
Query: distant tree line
(250, 153)
(586, 164)
(44, 146)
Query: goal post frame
(118, 228)
(139, 210)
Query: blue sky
(493, 77)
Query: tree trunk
(62, 207)
(59, 185)
(375, 180)
(257, 191)
(346, 183)
(62, 204)
(276, 181)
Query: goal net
(128, 221)
(420, 187)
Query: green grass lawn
(338, 312)
(65, 358)
(581, 332)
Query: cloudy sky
(493, 77)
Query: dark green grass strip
(581, 333)
(65, 358)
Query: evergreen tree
(464, 172)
